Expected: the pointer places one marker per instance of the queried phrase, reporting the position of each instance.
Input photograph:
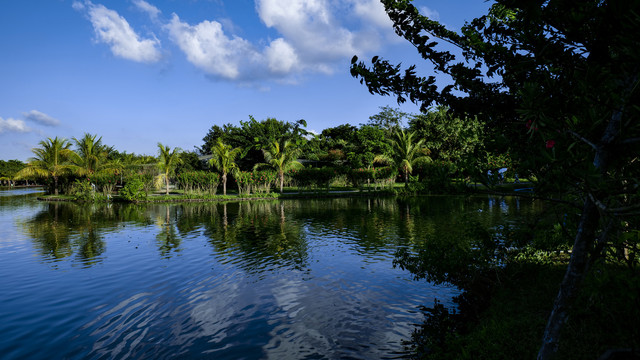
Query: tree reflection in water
(263, 235)
(167, 239)
(256, 235)
(63, 229)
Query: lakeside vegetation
(557, 82)
(261, 157)
(561, 110)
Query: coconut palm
(224, 159)
(405, 152)
(51, 160)
(91, 154)
(167, 161)
(282, 158)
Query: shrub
(199, 181)
(259, 182)
(359, 177)
(381, 176)
(83, 190)
(134, 189)
(105, 182)
(315, 177)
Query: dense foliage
(9, 169)
(547, 90)
(254, 136)
(198, 181)
(556, 83)
(344, 155)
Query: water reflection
(255, 234)
(267, 279)
(266, 232)
(68, 230)
(168, 238)
(61, 230)
(51, 232)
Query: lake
(288, 279)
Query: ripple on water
(317, 285)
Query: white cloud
(373, 11)
(310, 27)
(207, 47)
(281, 56)
(114, 30)
(151, 10)
(324, 32)
(13, 125)
(431, 14)
(77, 5)
(41, 118)
(314, 36)
(312, 39)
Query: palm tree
(406, 152)
(167, 161)
(52, 159)
(224, 159)
(282, 158)
(91, 154)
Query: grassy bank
(180, 196)
(605, 316)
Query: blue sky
(141, 72)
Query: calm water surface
(256, 280)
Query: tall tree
(335, 142)
(405, 152)
(369, 142)
(448, 138)
(9, 169)
(563, 93)
(282, 157)
(91, 154)
(190, 162)
(51, 160)
(224, 159)
(388, 119)
(167, 161)
(252, 136)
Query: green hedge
(198, 181)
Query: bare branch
(615, 211)
(630, 141)
(583, 139)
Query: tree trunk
(224, 184)
(166, 181)
(584, 242)
(576, 271)
(281, 181)
(55, 185)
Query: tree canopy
(224, 160)
(91, 154)
(51, 160)
(167, 161)
(558, 82)
(389, 119)
(282, 156)
(9, 168)
(254, 136)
